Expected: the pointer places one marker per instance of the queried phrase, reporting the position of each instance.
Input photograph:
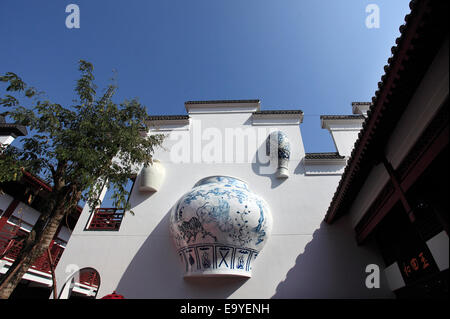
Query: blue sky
(313, 55)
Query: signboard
(417, 264)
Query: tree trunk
(52, 268)
(33, 249)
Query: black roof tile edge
(326, 155)
(342, 117)
(167, 117)
(13, 129)
(222, 101)
(278, 112)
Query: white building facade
(302, 257)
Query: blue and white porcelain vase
(219, 227)
(278, 146)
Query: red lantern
(114, 295)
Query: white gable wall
(303, 258)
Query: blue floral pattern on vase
(219, 227)
(278, 143)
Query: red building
(20, 206)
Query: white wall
(6, 139)
(303, 258)
(344, 141)
(344, 132)
(28, 215)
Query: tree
(75, 149)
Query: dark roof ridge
(13, 129)
(167, 117)
(349, 116)
(222, 101)
(279, 112)
(324, 155)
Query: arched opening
(84, 284)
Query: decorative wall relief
(152, 177)
(278, 145)
(219, 227)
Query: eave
(421, 36)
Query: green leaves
(9, 100)
(82, 145)
(30, 92)
(85, 86)
(15, 83)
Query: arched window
(84, 284)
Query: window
(107, 217)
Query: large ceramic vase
(219, 227)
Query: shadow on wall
(333, 266)
(138, 197)
(156, 272)
(268, 168)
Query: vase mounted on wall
(152, 177)
(219, 227)
(278, 146)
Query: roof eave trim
(376, 109)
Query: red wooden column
(432, 142)
(398, 188)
